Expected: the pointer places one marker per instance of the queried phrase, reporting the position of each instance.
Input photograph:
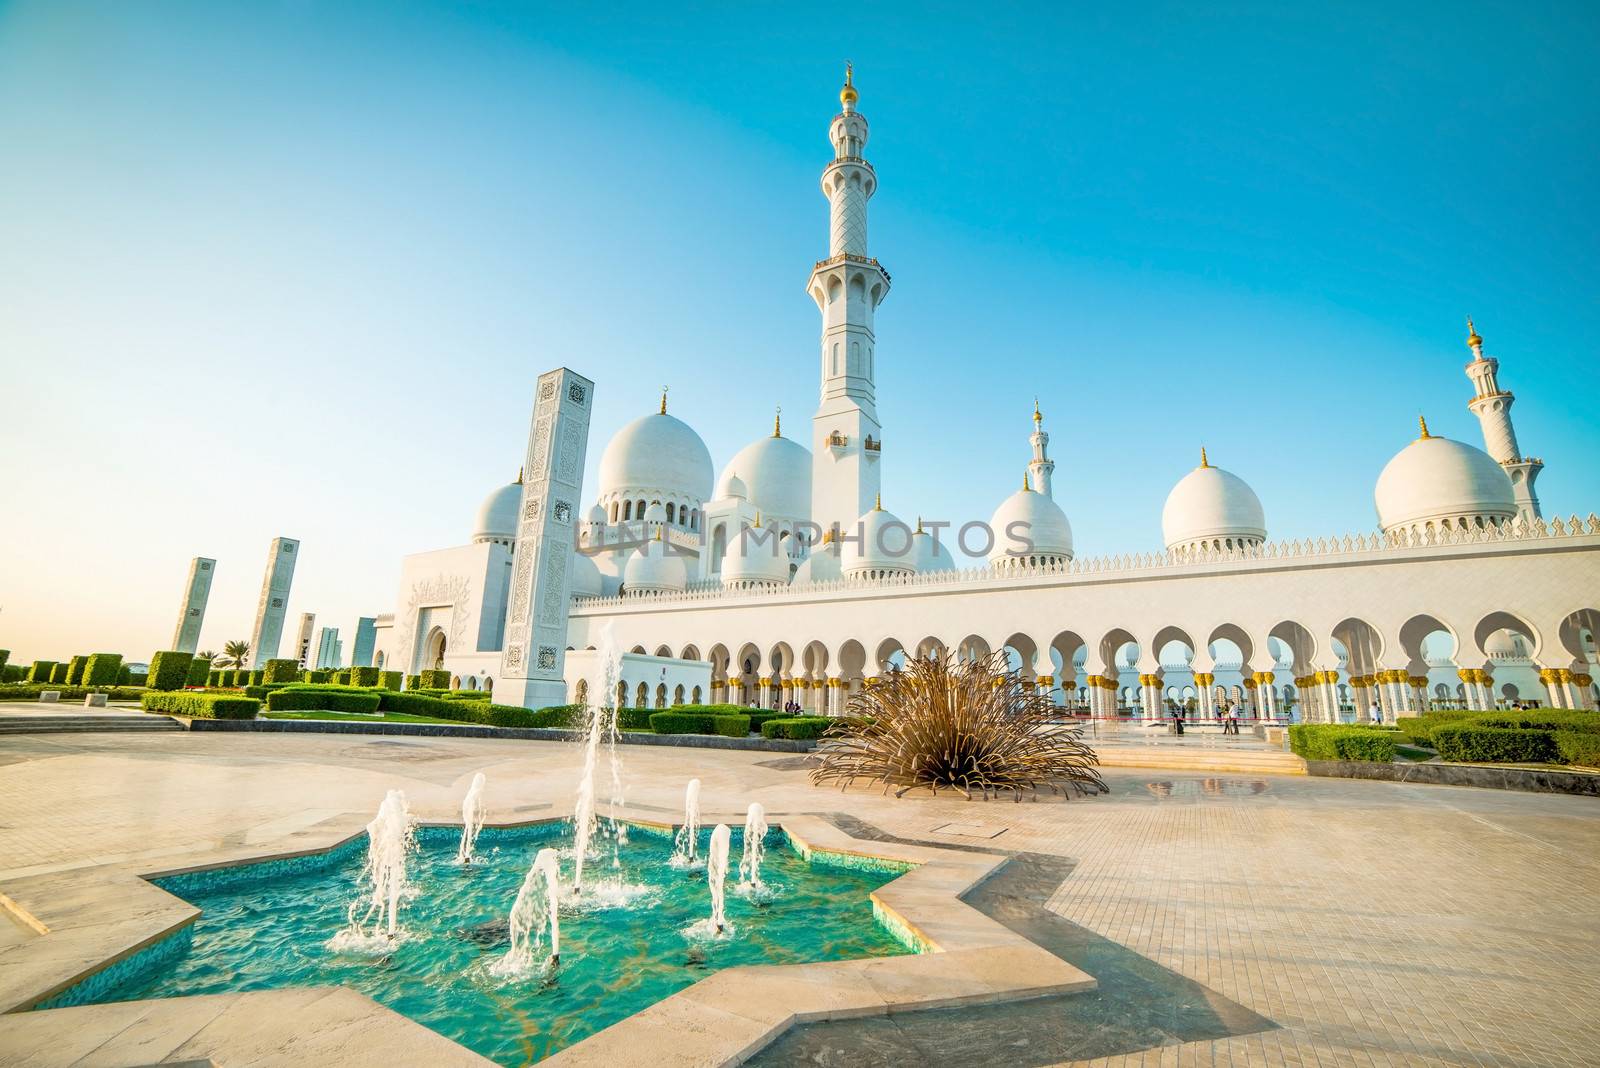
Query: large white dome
(777, 476)
(654, 568)
(497, 515)
(656, 456)
(756, 556)
(1444, 482)
(885, 547)
(823, 565)
(1212, 508)
(585, 576)
(1046, 528)
(928, 556)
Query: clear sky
(292, 268)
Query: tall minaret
(1492, 406)
(848, 287)
(1041, 466)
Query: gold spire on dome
(848, 95)
(663, 400)
(1422, 424)
(519, 476)
(1473, 340)
(877, 505)
(1025, 487)
(1203, 461)
(660, 534)
(758, 518)
(777, 422)
(919, 525)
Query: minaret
(1492, 406)
(1041, 466)
(847, 286)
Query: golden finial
(1473, 340)
(663, 400)
(1037, 418)
(1203, 461)
(1025, 487)
(848, 95)
(919, 524)
(777, 422)
(1422, 423)
(758, 518)
(660, 534)
(877, 505)
(519, 476)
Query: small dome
(497, 515)
(1440, 481)
(822, 565)
(884, 547)
(655, 513)
(756, 556)
(731, 485)
(1210, 506)
(928, 556)
(585, 576)
(1038, 520)
(653, 568)
(1503, 645)
(656, 455)
(777, 472)
(597, 514)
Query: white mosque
(784, 578)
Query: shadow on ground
(1139, 1004)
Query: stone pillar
(1419, 693)
(534, 653)
(1358, 689)
(1046, 684)
(1583, 682)
(1267, 693)
(1206, 701)
(192, 613)
(764, 691)
(274, 600)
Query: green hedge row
(390, 680)
(40, 670)
(1338, 741)
(1468, 742)
(291, 699)
(169, 670)
(62, 675)
(280, 670)
(1579, 747)
(198, 670)
(101, 669)
(202, 705)
(729, 726)
(74, 672)
(363, 676)
(433, 679)
(32, 690)
(797, 727)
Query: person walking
(1377, 713)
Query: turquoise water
(273, 931)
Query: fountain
(472, 814)
(391, 836)
(536, 909)
(602, 723)
(717, 874)
(755, 833)
(688, 837)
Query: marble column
(274, 600)
(192, 613)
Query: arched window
(661, 695)
(677, 695)
(613, 511)
(672, 512)
(627, 510)
(580, 695)
(694, 697)
(643, 696)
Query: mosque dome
(585, 576)
(1438, 482)
(1046, 527)
(778, 474)
(731, 485)
(884, 548)
(656, 513)
(1502, 645)
(654, 569)
(1212, 509)
(757, 556)
(929, 557)
(597, 513)
(655, 456)
(822, 565)
(497, 515)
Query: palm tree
(236, 654)
(208, 656)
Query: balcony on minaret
(873, 446)
(838, 443)
(850, 257)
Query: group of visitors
(1228, 716)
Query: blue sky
(292, 268)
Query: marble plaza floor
(1229, 917)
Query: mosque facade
(784, 578)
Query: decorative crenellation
(1374, 545)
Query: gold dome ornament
(777, 422)
(1037, 418)
(1473, 340)
(1203, 461)
(663, 400)
(1422, 424)
(848, 95)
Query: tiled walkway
(1368, 923)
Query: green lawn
(387, 717)
(1412, 753)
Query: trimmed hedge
(101, 669)
(1338, 741)
(13, 673)
(40, 670)
(213, 677)
(797, 727)
(1548, 719)
(198, 670)
(74, 676)
(257, 677)
(61, 674)
(169, 670)
(291, 699)
(363, 676)
(280, 671)
(316, 675)
(201, 705)
(29, 690)
(1579, 747)
(341, 677)
(433, 679)
(390, 680)
(5, 656)
(729, 726)
(1497, 745)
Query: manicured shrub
(434, 679)
(74, 675)
(169, 670)
(628, 719)
(1549, 719)
(1468, 742)
(40, 671)
(102, 668)
(413, 682)
(291, 699)
(198, 670)
(1579, 747)
(1337, 741)
(61, 673)
(125, 675)
(390, 680)
(731, 725)
(363, 676)
(13, 673)
(280, 671)
(260, 692)
(798, 727)
(257, 677)
(201, 705)
(341, 677)
(316, 675)
(214, 677)
(5, 657)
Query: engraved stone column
(534, 655)
(366, 641)
(300, 648)
(186, 638)
(274, 600)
